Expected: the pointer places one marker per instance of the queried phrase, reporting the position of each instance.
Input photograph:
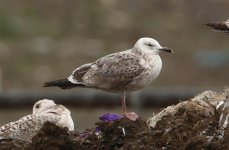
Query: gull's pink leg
(131, 115)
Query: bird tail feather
(63, 84)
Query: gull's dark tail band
(63, 84)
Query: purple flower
(97, 129)
(110, 117)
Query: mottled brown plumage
(112, 73)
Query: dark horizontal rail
(87, 97)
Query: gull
(28, 126)
(120, 72)
(219, 26)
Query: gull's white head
(42, 105)
(150, 45)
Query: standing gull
(28, 126)
(120, 72)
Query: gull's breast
(152, 68)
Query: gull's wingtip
(62, 83)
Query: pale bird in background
(120, 72)
(219, 26)
(28, 126)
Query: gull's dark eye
(149, 44)
(37, 106)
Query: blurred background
(44, 40)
